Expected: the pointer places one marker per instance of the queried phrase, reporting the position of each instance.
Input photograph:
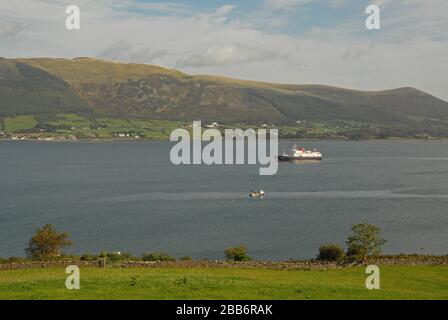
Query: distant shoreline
(167, 140)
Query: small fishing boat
(257, 194)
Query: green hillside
(148, 92)
(26, 90)
(95, 89)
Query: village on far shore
(74, 127)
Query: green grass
(71, 120)
(150, 129)
(85, 127)
(20, 123)
(65, 125)
(90, 69)
(397, 282)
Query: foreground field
(397, 282)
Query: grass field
(71, 120)
(66, 125)
(20, 123)
(397, 282)
(87, 127)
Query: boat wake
(199, 196)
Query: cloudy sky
(288, 41)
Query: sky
(285, 41)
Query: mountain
(101, 88)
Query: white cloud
(219, 16)
(164, 7)
(228, 54)
(224, 10)
(286, 4)
(124, 51)
(352, 54)
(10, 29)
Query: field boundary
(299, 265)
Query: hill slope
(25, 89)
(131, 91)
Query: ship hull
(293, 159)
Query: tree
(157, 256)
(237, 254)
(330, 252)
(365, 240)
(47, 243)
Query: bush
(330, 252)
(116, 256)
(127, 256)
(89, 257)
(69, 258)
(47, 243)
(15, 260)
(186, 258)
(237, 254)
(157, 256)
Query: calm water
(128, 197)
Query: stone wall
(297, 265)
